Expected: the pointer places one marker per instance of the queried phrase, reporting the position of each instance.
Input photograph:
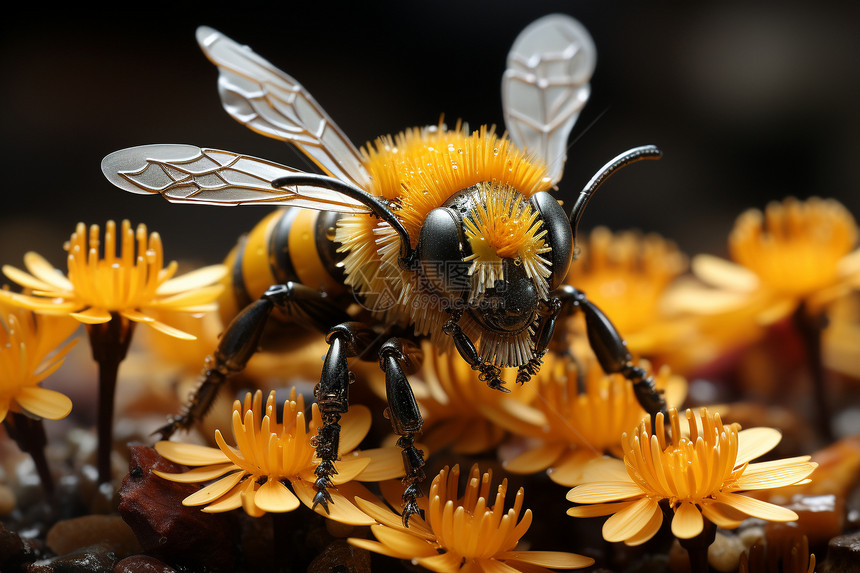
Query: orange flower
(268, 455)
(700, 473)
(31, 349)
(128, 283)
(471, 533)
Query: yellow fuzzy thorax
(419, 169)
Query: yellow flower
(268, 454)
(31, 349)
(102, 282)
(795, 252)
(472, 532)
(699, 473)
(577, 427)
(626, 275)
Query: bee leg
(488, 373)
(241, 339)
(345, 340)
(396, 357)
(544, 332)
(613, 356)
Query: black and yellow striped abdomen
(290, 244)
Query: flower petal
(192, 280)
(599, 509)
(273, 496)
(590, 469)
(777, 473)
(202, 296)
(25, 280)
(354, 426)
(551, 559)
(756, 442)
(214, 490)
(156, 324)
(536, 459)
(385, 463)
(92, 315)
(45, 272)
(723, 516)
(756, 507)
(442, 563)
(195, 475)
(374, 546)
(348, 467)
(340, 509)
(598, 492)
(48, 404)
(647, 532)
(724, 274)
(630, 521)
(408, 546)
(229, 501)
(687, 522)
(390, 519)
(190, 454)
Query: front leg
(396, 357)
(612, 353)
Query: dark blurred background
(750, 101)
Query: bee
(446, 234)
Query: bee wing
(189, 174)
(267, 100)
(545, 86)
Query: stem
(697, 547)
(29, 434)
(109, 342)
(280, 541)
(810, 326)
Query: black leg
(611, 351)
(242, 338)
(345, 340)
(396, 357)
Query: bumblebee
(446, 234)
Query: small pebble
(72, 534)
(142, 564)
(724, 554)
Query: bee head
(496, 254)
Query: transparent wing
(189, 174)
(545, 86)
(257, 94)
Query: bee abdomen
(288, 245)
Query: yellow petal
(536, 459)
(442, 563)
(4, 408)
(229, 501)
(195, 475)
(756, 507)
(44, 403)
(25, 280)
(273, 496)
(190, 454)
(777, 473)
(385, 463)
(599, 509)
(647, 532)
(756, 442)
(390, 519)
(630, 521)
(45, 272)
(348, 467)
(192, 280)
(247, 495)
(354, 426)
(489, 566)
(724, 274)
(595, 469)
(213, 491)
(687, 522)
(170, 331)
(92, 315)
(402, 543)
(551, 559)
(193, 298)
(723, 516)
(340, 508)
(374, 546)
(599, 492)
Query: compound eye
(559, 235)
(441, 254)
